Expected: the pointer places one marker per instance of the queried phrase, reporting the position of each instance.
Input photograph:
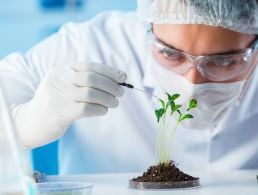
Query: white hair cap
(236, 15)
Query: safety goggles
(221, 67)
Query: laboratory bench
(212, 183)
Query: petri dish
(64, 188)
(164, 185)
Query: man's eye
(224, 62)
(169, 54)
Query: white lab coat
(124, 139)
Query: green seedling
(164, 114)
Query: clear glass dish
(64, 188)
(164, 185)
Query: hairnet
(236, 15)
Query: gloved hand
(67, 93)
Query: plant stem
(163, 149)
(163, 141)
(171, 139)
(158, 141)
(165, 160)
(169, 119)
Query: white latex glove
(67, 93)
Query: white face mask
(214, 99)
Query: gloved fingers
(72, 110)
(94, 80)
(107, 71)
(90, 109)
(82, 94)
(91, 95)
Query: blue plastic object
(49, 4)
(45, 159)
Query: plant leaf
(192, 104)
(186, 116)
(176, 107)
(169, 103)
(172, 105)
(159, 113)
(162, 103)
(169, 96)
(175, 96)
(179, 112)
(172, 97)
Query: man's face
(198, 39)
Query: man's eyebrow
(232, 51)
(229, 52)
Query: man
(201, 49)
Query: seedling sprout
(164, 114)
(165, 175)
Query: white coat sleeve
(21, 76)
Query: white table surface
(212, 183)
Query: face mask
(214, 99)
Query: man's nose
(194, 76)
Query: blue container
(52, 4)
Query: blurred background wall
(23, 23)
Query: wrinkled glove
(65, 94)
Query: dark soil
(164, 173)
